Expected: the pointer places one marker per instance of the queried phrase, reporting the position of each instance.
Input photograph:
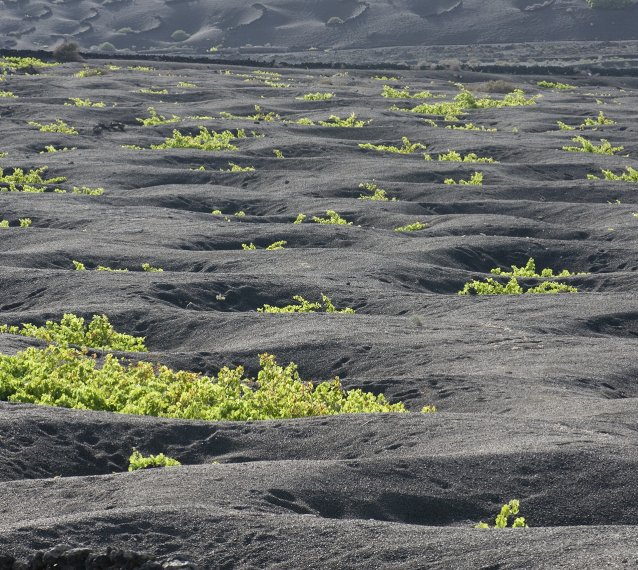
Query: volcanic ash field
(535, 393)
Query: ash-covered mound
(172, 26)
(79, 558)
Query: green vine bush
(475, 180)
(350, 121)
(272, 247)
(71, 378)
(508, 511)
(529, 270)
(316, 96)
(492, 287)
(604, 147)
(465, 100)
(331, 218)
(630, 175)
(27, 181)
(78, 102)
(259, 115)
(392, 93)
(73, 330)
(378, 194)
(305, 306)
(555, 85)
(205, 140)
(413, 227)
(407, 148)
(454, 156)
(59, 126)
(139, 461)
(154, 119)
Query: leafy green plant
(604, 147)
(470, 127)
(300, 219)
(150, 269)
(18, 63)
(378, 194)
(600, 120)
(139, 461)
(259, 115)
(529, 270)
(29, 181)
(492, 287)
(85, 190)
(8, 95)
(79, 266)
(110, 269)
(236, 168)
(278, 153)
(413, 227)
(465, 100)
(186, 85)
(72, 330)
(630, 175)
(59, 126)
(508, 511)
(78, 102)
(392, 93)
(51, 148)
(317, 96)
(331, 218)
(305, 306)
(151, 91)
(4, 224)
(350, 121)
(454, 156)
(555, 85)
(88, 72)
(154, 119)
(204, 140)
(25, 222)
(272, 247)
(407, 148)
(71, 378)
(475, 180)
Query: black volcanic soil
(536, 393)
(181, 26)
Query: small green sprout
(555, 85)
(59, 126)
(508, 511)
(475, 180)
(204, 140)
(305, 306)
(350, 121)
(413, 227)
(331, 218)
(138, 461)
(148, 267)
(78, 102)
(407, 148)
(154, 119)
(317, 96)
(604, 147)
(378, 194)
